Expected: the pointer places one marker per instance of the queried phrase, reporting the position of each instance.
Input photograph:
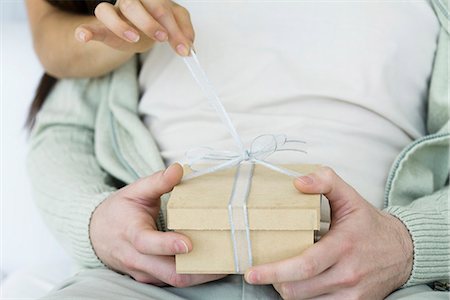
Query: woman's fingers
(83, 33)
(184, 22)
(159, 20)
(134, 12)
(107, 14)
(97, 32)
(163, 13)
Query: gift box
(243, 216)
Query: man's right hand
(125, 237)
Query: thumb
(154, 186)
(342, 197)
(93, 32)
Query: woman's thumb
(92, 32)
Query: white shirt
(348, 77)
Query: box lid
(273, 202)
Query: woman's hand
(134, 25)
(366, 254)
(124, 234)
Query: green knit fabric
(68, 182)
(88, 138)
(417, 186)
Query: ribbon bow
(261, 147)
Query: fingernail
(131, 36)
(161, 36)
(182, 50)
(82, 36)
(305, 180)
(167, 169)
(181, 247)
(252, 277)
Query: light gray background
(25, 241)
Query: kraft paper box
(280, 219)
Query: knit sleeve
(427, 220)
(67, 180)
(68, 185)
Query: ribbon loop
(265, 145)
(261, 148)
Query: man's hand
(124, 234)
(366, 254)
(133, 25)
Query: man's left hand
(366, 254)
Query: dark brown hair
(47, 82)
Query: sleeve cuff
(81, 248)
(431, 238)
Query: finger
(325, 181)
(154, 186)
(163, 268)
(320, 285)
(153, 242)
(164, 15)
(146, 278)
(135, 12)
(196, 279)
(94, 32)
(107, 14)
(183, 19)
(311, 262)
(83, 33)
(332, 280)
(328, 297)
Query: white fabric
(349, 77)
(36, 281)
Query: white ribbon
(238, 218)
(261, 147)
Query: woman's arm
(60, 53)
(73, 45)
